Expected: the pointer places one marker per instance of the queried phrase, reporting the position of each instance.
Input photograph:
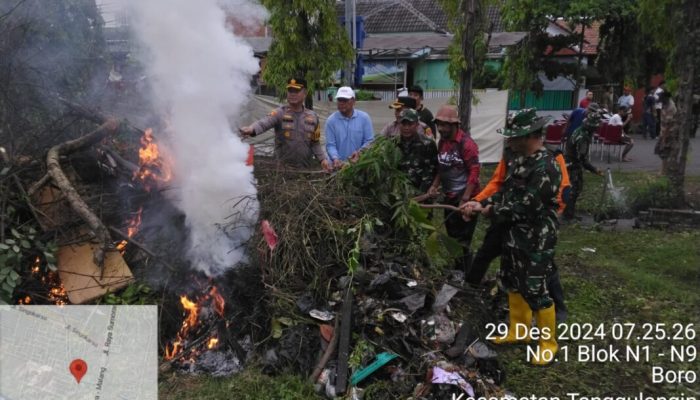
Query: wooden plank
(341, 381)
(81, 276)
(53, 207)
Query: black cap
(416, 89)
(296, 83)
(404, 101)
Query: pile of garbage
(356, 304)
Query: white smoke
(201, 75)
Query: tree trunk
(678, 140)
(470, 10)
(577, 77)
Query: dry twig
(72, 196)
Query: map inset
(43, 350)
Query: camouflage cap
(593, 115)
(592, 120)
(409, 114)
(523, 122)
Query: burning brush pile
(342, 281)
(356, 300)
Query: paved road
(644, 159)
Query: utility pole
(350, 29)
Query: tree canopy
(308, 41)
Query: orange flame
(131, 230)
(35, 266)
(57, 294)
(191, 319)
(219, 302)
(153, 169)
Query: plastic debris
(269, 234)
(481, 350)
(321, 315)
(399, 317)
(413, 302)
(445, 295)
(452, 378)
(380, 360)
(588, 249)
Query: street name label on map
(84, 352)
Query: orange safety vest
(499, 175)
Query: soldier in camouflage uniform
(527, 204)
(297, 129)
(419, 152)
(577, 157)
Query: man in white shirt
(657, 107)
(623, 118)
(626, 99)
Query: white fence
(389, 95)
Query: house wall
(432, 74)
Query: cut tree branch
(78, 205)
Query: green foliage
(458, 64)
(309, 42)
(536, 52)
(653, 193)
(626, 52)
(362, 353)
(18, 252)
(377, 176)
(49, 48)
(365, 226)
(363, 95)
(134, 294)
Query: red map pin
(78, 368)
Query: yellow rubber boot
(520, 316)
(547, 348)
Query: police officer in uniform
(393, 128)
(297, 129)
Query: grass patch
(248, 385)
(641, 277)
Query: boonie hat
(522, 123)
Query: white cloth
(626, 100)
(657, 96)
(615, 120)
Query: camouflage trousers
(576, 179)
(526, 273)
